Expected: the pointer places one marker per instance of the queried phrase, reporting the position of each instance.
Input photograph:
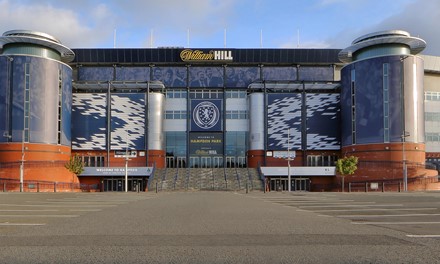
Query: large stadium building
(229, 119)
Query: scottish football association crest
(206, 115)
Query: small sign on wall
(124, 153)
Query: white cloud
(63, 24)
(420, 18)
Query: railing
(376, 185)
(13, 185)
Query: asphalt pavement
(220, 227)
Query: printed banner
(206, 144)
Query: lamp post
(405, 170)
(288, 160)
(22, 163)
(126, 162)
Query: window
(172, 93)
(60, 104)
(236, 114)
(386, 104)
(93, 161)
(321, 160)
(26, 114)
(206, 94)
(235, 94)
(353, 107)
(177, 114)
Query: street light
(404, 135)
(288, 160)
(126, 162)
(22, 162)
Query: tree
(75, 165)
(346, 166)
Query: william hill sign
(212, 55)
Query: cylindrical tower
(382, 101)
(256, 130)
(35, 107)
(156, 152)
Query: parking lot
(220, 227)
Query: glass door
(217, 162)
(230, 162)
(181, 162)
(205, 162)
(194, 162)
(170, 162)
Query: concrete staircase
(212, 179)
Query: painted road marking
(352, 205)
(20, 224)
(51, 205)
(29, 210)
(371, 209)
(372, 216)
(395, 223)
(424, 236)
(56, 216)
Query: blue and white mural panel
(283, 117)
(323, 122)
(128, 121)
(89, 121)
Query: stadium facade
(134, 114)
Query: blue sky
(205, 23)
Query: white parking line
(424, 236)
(352, 205)
(55, 216)
(322, 203)
(25, 210)
(395, 223)
(20, 224)
(372, 209)
(85, 210)
(373, 216)
(58, 205)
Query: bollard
(38, 187)
(383, 186)
(54, 187)
(349, 187)
(4, 187)
(247, 188)
(156, 187)
(366, 187)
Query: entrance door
(194, 162)
(278, 184)
(241, 162)
(217, 162)
(205, 162)
(230, 162)
(301, 184)
(181, 162)
(170, 161)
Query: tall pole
(126, 163)
(22, 162)
(405, 169)
(288, 160)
